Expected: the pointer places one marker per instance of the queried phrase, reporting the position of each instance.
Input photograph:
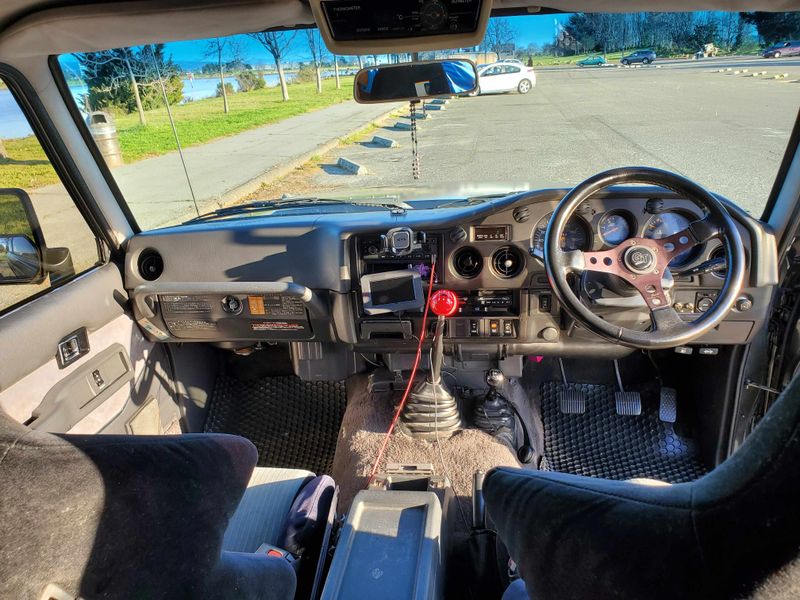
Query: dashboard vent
(507, 262)
(458, 235)
(521, 214)
(467, 262)
(151, 265)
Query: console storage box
(390, 548)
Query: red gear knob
(444, 303)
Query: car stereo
(391, 292)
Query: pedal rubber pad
(668, 406)
(628, 403)
(572, 402)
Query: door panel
(32, 374)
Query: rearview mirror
(415, 81)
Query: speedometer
(574, 237)
(614, 229)
(664, 225)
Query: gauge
(614, 229)
(664, 225)
(574, 237)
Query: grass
(197, 122)
(12, 216)
(551, 61)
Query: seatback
(717, 537)
(118, 516)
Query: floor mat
(601, 443)
(293, 423)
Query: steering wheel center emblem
(640, 259)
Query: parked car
(782, 49)
(592, 61)
(505, 77)
(640, 56)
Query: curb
(278, 171)
(384, 142)
(351, 167)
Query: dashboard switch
(474, 328)
(549, 334)
(508, 328)
(545, 303)
(494, 327)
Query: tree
(276, 43)
(500, 34)
(774, 27)
(336, 72)
(315, 47)
(218, 48)
(128, 78)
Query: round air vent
(521, 214)
(467, 262)
(151, 265)
(507, 262)
(458, 235)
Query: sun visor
(352, 27)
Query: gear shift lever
(431, 408)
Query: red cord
(410, 379)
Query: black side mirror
(24, 255)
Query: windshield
(187, 128)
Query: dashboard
(298, 278)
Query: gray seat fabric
(261, 515)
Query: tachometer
(575, 236)
(664, 225)
(614, 229)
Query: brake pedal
(668, 405)
(628, 403)
(570, 401)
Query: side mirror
(24, 256)
(415, 81)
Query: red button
(275, 553)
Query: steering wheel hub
(640, 259)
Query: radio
(479, 303)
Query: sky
(530, 29)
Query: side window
(44, 240)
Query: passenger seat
(117, 516)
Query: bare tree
(360, 62)
(499, 35)
(122, 60)
(218, 48)
(336, 72)
(276, 43)
(315, 46)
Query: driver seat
(117, 516)
(721, 536)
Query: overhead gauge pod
(352, 27)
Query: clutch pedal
(570, 401)
(628, 403)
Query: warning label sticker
(256, 304)
(277, 326)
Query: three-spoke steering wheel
(642, 261)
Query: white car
(505, 77)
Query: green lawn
(551, 61)
(197, 122)
(12, 216)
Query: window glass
(44, 240)
(192, 126)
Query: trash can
(101, 125)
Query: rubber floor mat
(601, 443)
(293, 423)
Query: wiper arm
(258, 205)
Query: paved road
(726, 131)
(778, 65)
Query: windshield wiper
(259, 205)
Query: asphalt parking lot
(727, 131)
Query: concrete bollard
(403, 125)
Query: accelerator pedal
(668, 405)
(571, 401)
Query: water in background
(13, 123)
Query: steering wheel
(641, 261)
